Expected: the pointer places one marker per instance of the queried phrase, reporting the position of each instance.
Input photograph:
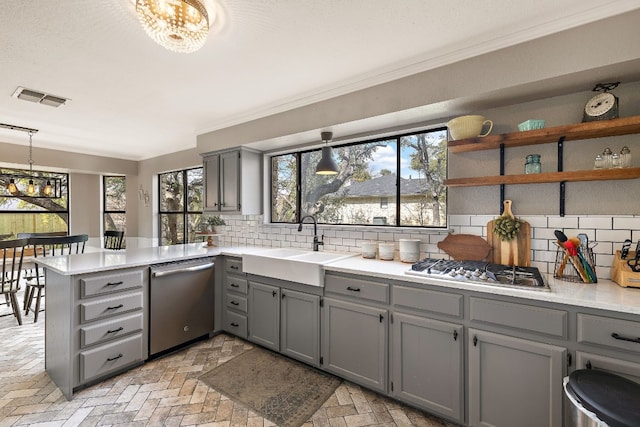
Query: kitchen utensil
(625, 249)
(465, 247)
(512, 252)
(634, 264)
(572, 251)
(581, 254)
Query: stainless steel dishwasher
(181, 303)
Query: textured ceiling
(132, 99)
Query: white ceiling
(132, 99)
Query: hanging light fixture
(178, 25)
(31, 188)
(326, 165)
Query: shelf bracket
(501, 174)
(560, 169)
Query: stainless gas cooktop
(480, 272)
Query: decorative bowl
(531, 125)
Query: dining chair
(44, 247)
(12, 256)
(113, 239)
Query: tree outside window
(392, 181)
(115, 203)
(180, 206)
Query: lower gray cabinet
(616, 366)
(427, 364)
(300, 326)
(514, 382)
(264, 315)
(354, 342)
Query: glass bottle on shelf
(532, 164)
(625, 157)
(616, 161)
(599, 162)
(606, 155)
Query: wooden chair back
(12, 255)
(113, 239)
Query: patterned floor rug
(280, 389)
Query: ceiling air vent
(39, 97)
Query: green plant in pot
(211, 222)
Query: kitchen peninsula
(429, 343)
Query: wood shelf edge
(589, 130)
(548, 177)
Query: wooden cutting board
(465, 247)
(513, 252)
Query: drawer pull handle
(234, 267)
(111, 359)
(233, 285)
(115, 283)
(113, 331)
(235, 303)
(455, 335)
(116, 307)
(349, 288)
(234, 324)
(621, 338)
(475, 341)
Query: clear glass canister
(532, 164)
(615, 161)
(606, 155)
(625, 157)
(599, 162)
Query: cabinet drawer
(428, 300)
(110, 306)
(109, 330)
(105, 284)
(236, 284)
(357, 288)
(522, 317)
(609, 332)
(233, 265)
(625, 368)
(110, 357)
(236, 302)
(236, 324)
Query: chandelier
(178, 25)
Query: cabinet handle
(234, 324)
(588, 364)
(455, 335)
(475, 341)
(113, 331)
(349, 288)
(114, 283)
(116, 307)
(111, 359)
(233, 285)
(274, 293)
(235, 303)
(621, 338)
(283, 295)
(234, 267)
(381, 318)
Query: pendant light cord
(31, 154)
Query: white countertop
(605, 294)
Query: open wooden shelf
(598, 129)
(548, 177)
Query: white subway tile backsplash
(628, 223)
(471, 230)
(593, 222)
(563, 222)
(612, 235)
(459, 220)
(481, 220)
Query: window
(180, 206)
(114, 202)
(23, 214)
(391, 181)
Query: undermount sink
(295, 265)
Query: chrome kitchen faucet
(316, 241)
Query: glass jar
(532, 164)
(616, 162)
(606, 155)
(599, 162)
(625, 157)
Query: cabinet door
(427, 364)
(620, 367)
(230, 181)
(300, 328)
(211, 166)
(264, 315)
(514, 382)
(354, 342)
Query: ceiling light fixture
(178, 25)
(326, 165)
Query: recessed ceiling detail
(39, 97)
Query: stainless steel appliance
(481, 272)
(181, 303)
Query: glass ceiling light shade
(178, 25)
(326, 165)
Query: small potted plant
(211, 223)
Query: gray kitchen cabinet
(234, 293)
(232, 179)
(264, 315)
(427, 364)
(354, 342)
(300, 326)
(514, 381)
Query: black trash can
(595, 398)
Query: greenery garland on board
(506, 227)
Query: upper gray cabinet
(233, 182)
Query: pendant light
(31, 188)
(326, 165)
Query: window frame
(106, 211)
(398, 219)
(184, 212)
